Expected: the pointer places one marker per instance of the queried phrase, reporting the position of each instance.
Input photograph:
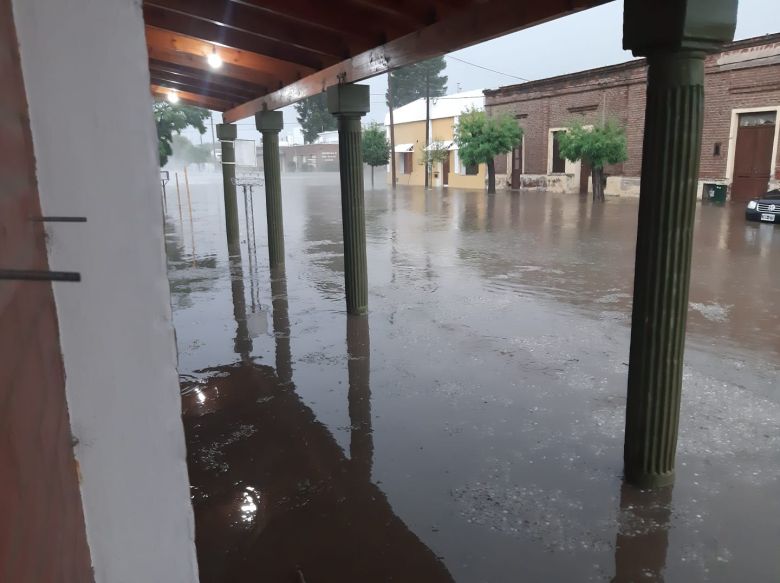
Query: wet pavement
(470, 429)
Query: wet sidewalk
(471, 428)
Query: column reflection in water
(361, 443)
(281, 323)
(643, 534)
(242, 344)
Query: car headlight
(752, 205)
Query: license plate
(768, 217)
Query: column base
(646, 481)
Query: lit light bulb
(173, 97)
(215, 61)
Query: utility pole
(213, 138)
(427, 128)
(392, 129)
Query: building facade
(409, 123)
(741, 122)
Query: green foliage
(409, 82)
(436, 152)
(171, 119)
(376, 147)
(599, 145)
(185, 152)
(481, 138)
(314, 117)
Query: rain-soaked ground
(470, 429)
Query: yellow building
(410, 141)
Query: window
(558, 163)
(716, 149)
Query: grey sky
(592, 38)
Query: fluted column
(270, 123)
(674, 37)
(227, 134)
(349, 103)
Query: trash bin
(715, 193)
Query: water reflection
(361, 444)
(274, 495)
(643, 535)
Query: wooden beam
(161, 94)
(356, 23)
(416, 12)
(477, 23)
(165, 45)
(209, 77)
(248, 19)
(195, 87)
(230, 37)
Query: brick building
(741, 124)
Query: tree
(436, 152)
(185, 152)
(314, 117)
(409, 82)
(376, 148)
(598, 145)
(171, 118)
(481, 138)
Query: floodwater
(470, 429)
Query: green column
(349, 103)
(227, 134)
(674, 36)
(270, 123)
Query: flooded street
(471, 428)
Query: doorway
(753, 155)
(445, 171)
(584, 176)
(517, 165)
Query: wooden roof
(276, 52)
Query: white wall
(85, 69)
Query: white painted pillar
(85, 69)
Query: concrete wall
(441, 129)
(744, 76)
(42, 532)
(85, 71)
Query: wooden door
(584, 176)
(752, 160)
(517, 166)
(445, 171)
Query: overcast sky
(588, 39)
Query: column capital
(348, 100)
(678, 25)
(226, 131)
(269, 121)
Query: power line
(486, 68)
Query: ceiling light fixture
(173, 96)
(214, 60)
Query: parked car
(765, 208)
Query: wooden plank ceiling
(276, 52)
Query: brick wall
(746, 74)
(42, 533)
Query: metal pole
(392, 129)
(427, 129)
(178, 198)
